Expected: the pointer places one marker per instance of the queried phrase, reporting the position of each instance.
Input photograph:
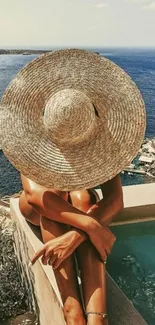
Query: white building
(145, 159)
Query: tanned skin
(81, 228)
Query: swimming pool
(132, 265)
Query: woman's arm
(107, 208)
(101, 237)
(55, 208)
(112, 203)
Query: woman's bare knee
(73, 312)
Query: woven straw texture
(71, 119)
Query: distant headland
(24, 52)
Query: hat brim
(121, 123)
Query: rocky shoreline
(24, 52)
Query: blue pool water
(132, 265)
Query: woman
(41, 206)
(72, 120)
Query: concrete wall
(42, 282)
(139, 204)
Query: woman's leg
(65, 274)
(27, 211)
(93, 273)
(93, 277)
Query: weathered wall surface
(139, 204)
(41, 279)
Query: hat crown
(69, 116)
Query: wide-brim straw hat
(71, 119)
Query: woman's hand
(55, 251)
(102, 238)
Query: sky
(77, 23)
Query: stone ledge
(139, 195)
(139, 204)
(42, 283)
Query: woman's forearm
(107, 209)
(104, 212)
(55, 208)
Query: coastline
(24, 52)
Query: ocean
(138, 63)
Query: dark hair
(69, 198)
(93, 198)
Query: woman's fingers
(103, 255)
(52, 259)
(47, 254)
(108, 250)
(37, 255)
(48, 257)
(57, 263)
